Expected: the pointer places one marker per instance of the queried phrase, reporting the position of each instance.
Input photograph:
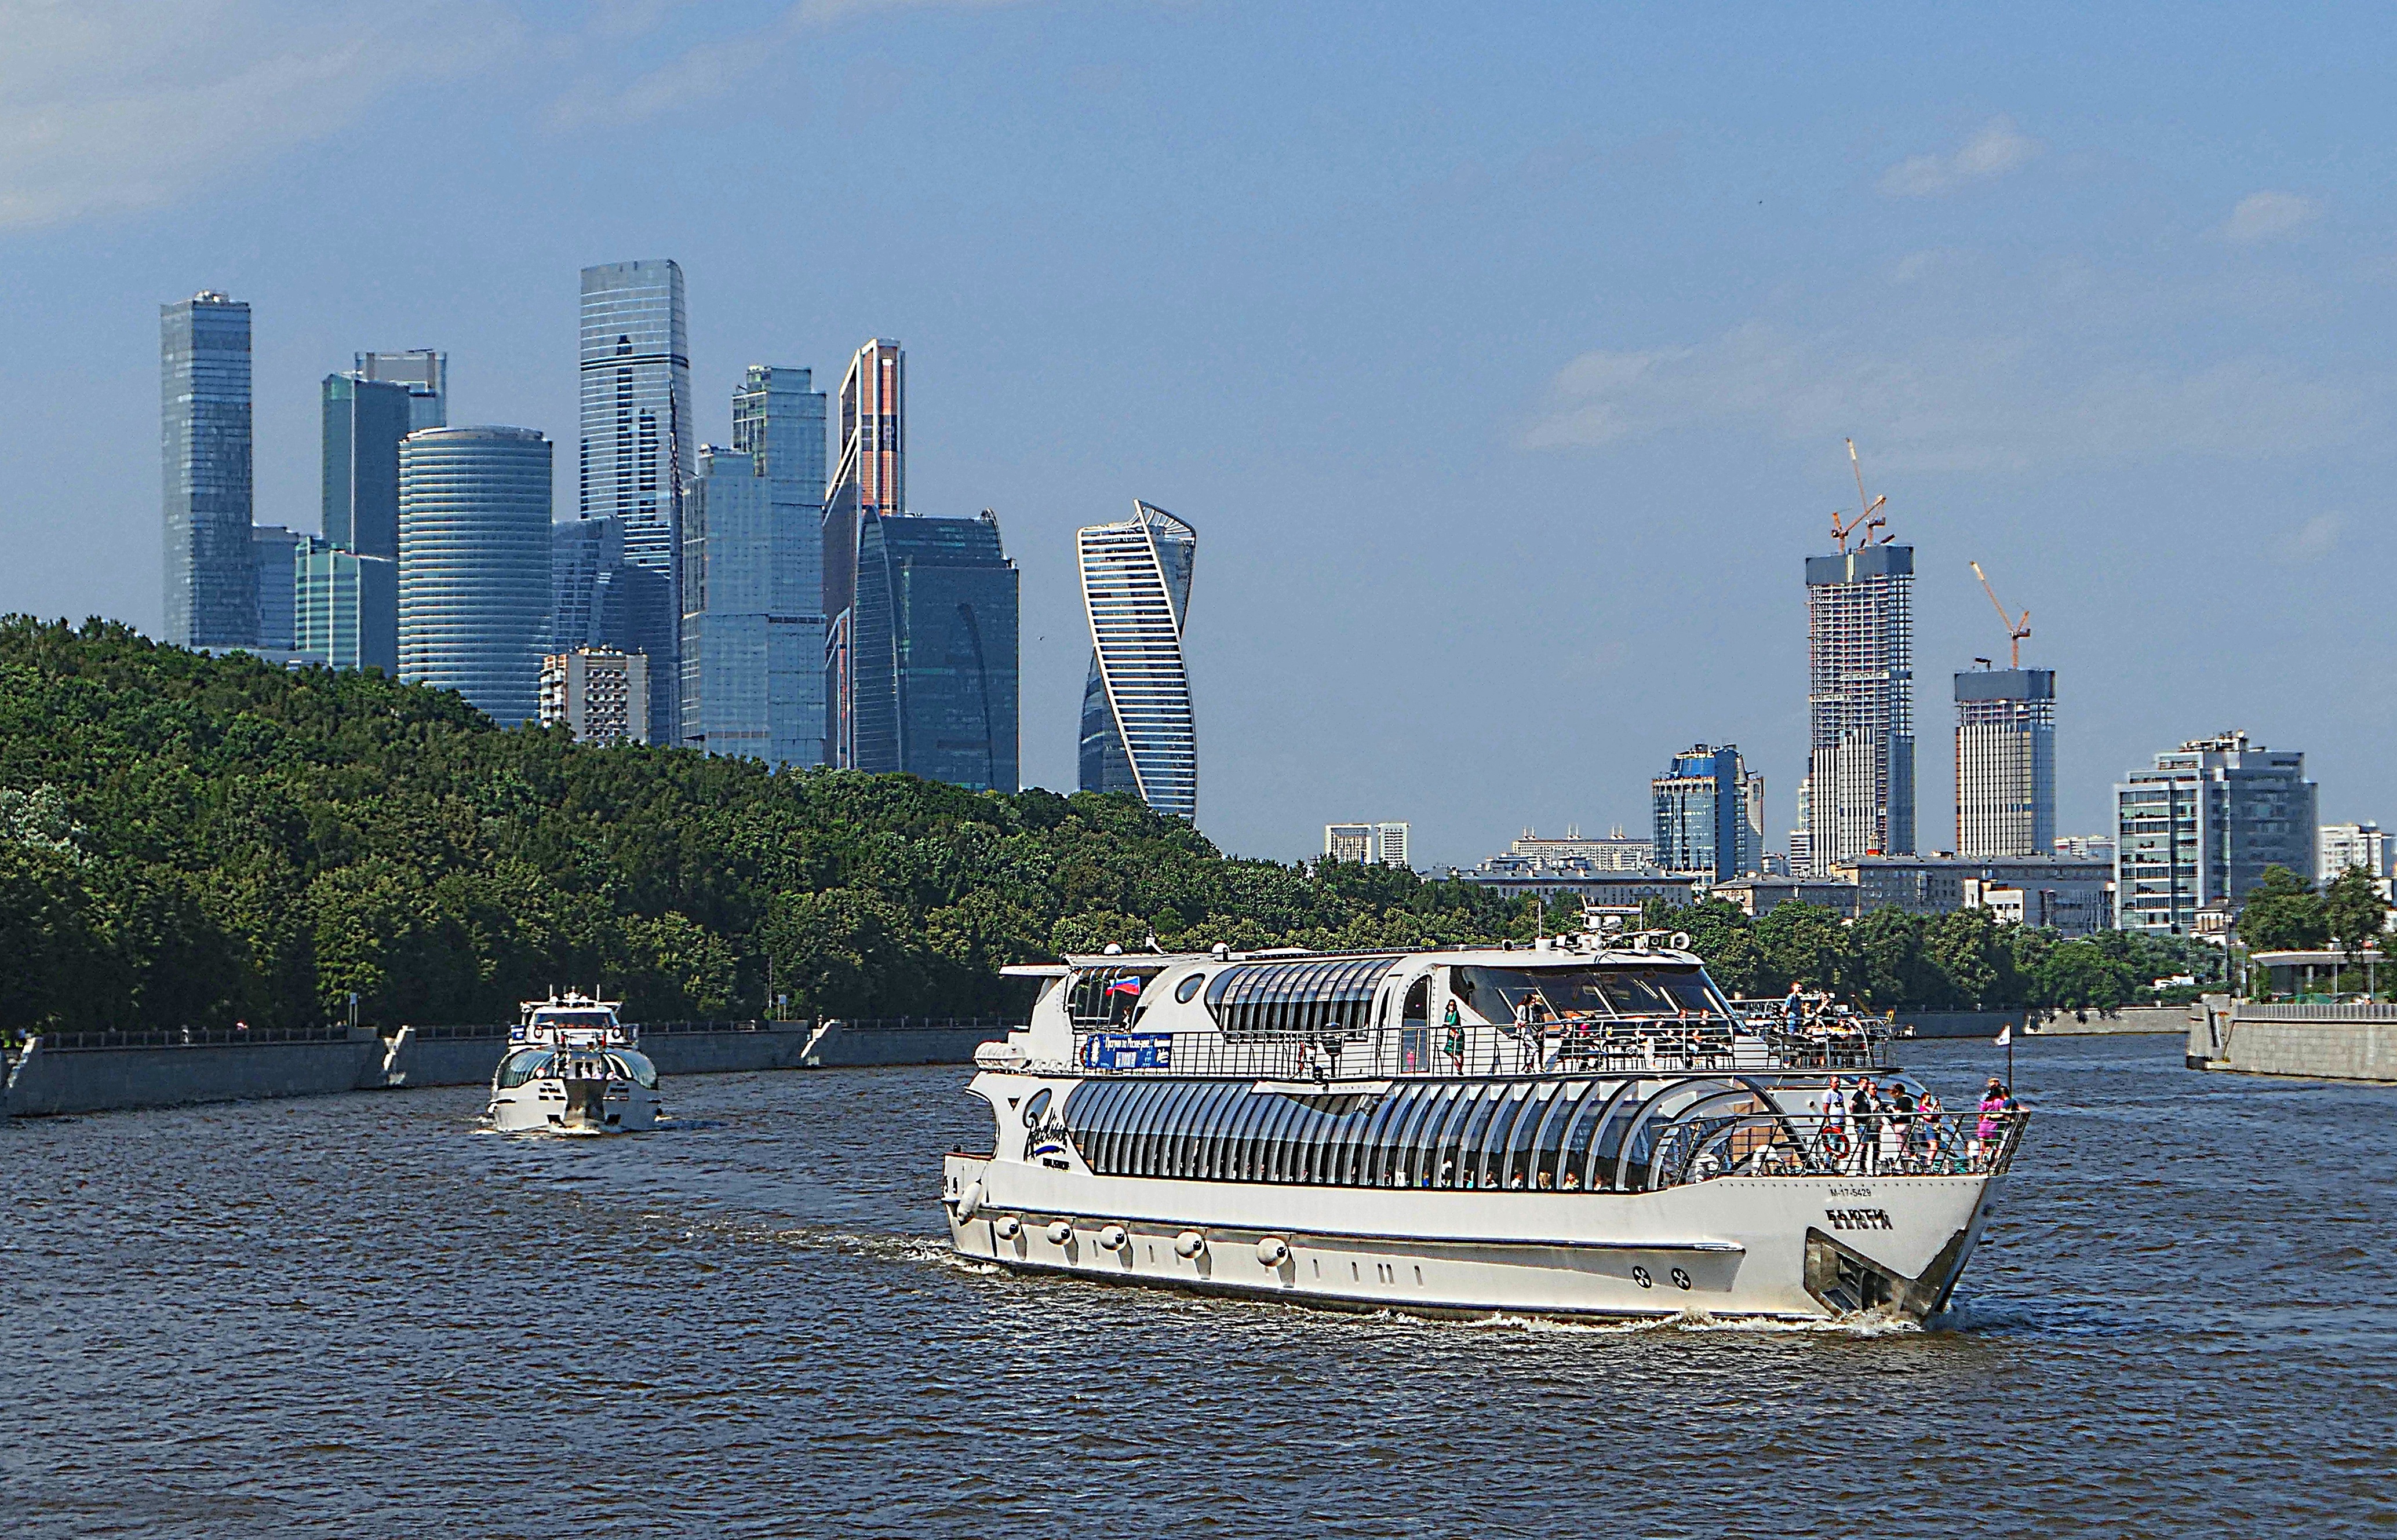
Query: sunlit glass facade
(474, 565)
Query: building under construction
(1860, 694)
(2006, 762)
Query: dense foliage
(195, 840)
(2285, 912)
(1959, 961)
(186, 839)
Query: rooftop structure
(1710, 814)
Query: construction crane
(2018, 626)
(1867, 516)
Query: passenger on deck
(1864, 1110)
(1572, 1180)
(1985, 1131)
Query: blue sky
(1501, 356)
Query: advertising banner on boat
(1128, 1051)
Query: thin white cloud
(108, 105)
(712, 69)
(2315, 538)
(1998, 148)
(1929, 402)
(2268, 216)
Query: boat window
(1547, 1143)
(1106, 996)
(635, 1067)
(524, 1064)
(1513, 994)
(1165, 1137)
(1214, 1114)
(1251, 999)
(573, 1018)
(1496, 1139)
(1442, 1133)
(1576, 1156)
(1187, 987)
(1515, 1168)
(1421, 1127)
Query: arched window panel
(1606, 1146)
(1416, 1143)
(1444, 1134)
(1491, 1165)
(1548, 1142)
(1515, 1169)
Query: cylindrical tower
(474, 565)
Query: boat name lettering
(1128, 1051)
(1859, 1219)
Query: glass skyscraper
(752, 638)
(1709, 814)
(423, 373)
(474, 565)
(869, 480)
(636, 420)
(2006, 762)
(346, 612)
(1140, 732)
(934, 651)
(363, 422)
(271, 551)
(211, 590)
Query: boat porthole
(1680, 1279)
(1639, 1275)
(1187, 987)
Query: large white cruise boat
(573, 1067)
(1580, 1127)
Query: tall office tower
(1140, 732)
(1710, 814)
(204, 449)
(2198, 830)
(363, 422)
(1390, 843)
(934, 651)
(1802, 839)
(869, 480)
(270, 550)
(581, 552)
(599, 695)
(778, 420)
(635, 421)
(423, 373)
(2339, 846)
(346, 612)
(1352, 842)
(2006, 762)
(751, 683)
(474, 565)
(1860, 704)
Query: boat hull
(1792, 1248)
(574, 1107)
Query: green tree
(2353, 912)
(2282, 913)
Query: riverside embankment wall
(2323, 1042)
(88, 1075)
(2158, 1019)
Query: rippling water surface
(363, 1315)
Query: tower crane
(1867, 517)
(2018, 626)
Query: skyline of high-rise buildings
(635, 449)
(211, 587)
(1140, 731)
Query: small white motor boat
(572, 1067)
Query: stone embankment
(2322, 1042)
(96, 1072)
(2133, 1019)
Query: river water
(361, 1316)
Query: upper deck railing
(1619, 1045)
